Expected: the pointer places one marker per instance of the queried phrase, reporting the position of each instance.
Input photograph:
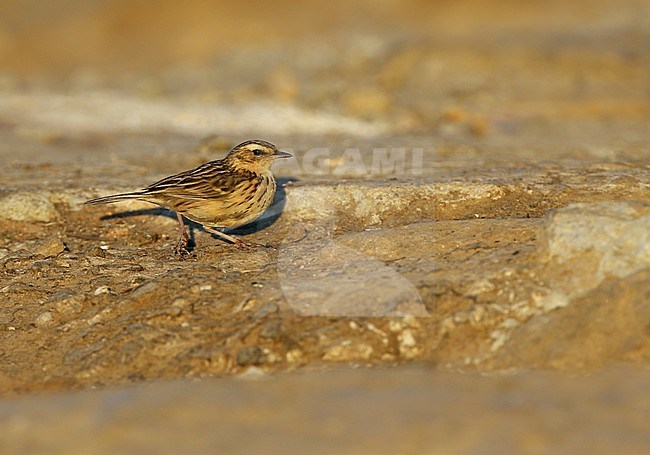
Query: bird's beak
(279, 154)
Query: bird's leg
(230, 238)
(183, 238)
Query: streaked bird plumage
(220, 194)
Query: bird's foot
(228, 238)
(243, 245)
(251, 246)
(183, 253)
(182, 249)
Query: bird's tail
(116, 198)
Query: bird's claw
(243, 245)
(182, 249)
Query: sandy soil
(470, 192)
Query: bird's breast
(242, 204)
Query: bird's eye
(257, 152)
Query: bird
(220, 194)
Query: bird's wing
(210, 180)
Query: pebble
(294, 356)
(102, 290)
(249, 355)
(252, 374)
(100, 317)
(613, 237)
(347, 351)
(271, 330)
(49, 247)
(141, 290)
(28, 206)
(407, 345)
(44, 319)
(195, 289)
(406, 338)
(66, 301)
(394, 325)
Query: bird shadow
(268, 218)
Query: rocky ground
(458, 206)
(465, 273)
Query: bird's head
(255, 156)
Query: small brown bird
(221, 194)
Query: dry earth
(513, 236)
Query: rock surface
(32, 206)
(469, 191)
(607, 325)
(598, 241)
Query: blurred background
(519, 106)
(555, 77)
